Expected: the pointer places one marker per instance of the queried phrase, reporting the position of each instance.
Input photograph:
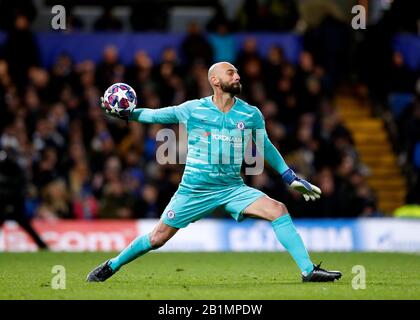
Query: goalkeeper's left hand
(309, 191)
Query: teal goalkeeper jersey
(217, 141)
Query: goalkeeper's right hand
(123, 114)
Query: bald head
(225, 76)
(219, 67)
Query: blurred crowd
(394, 86)
(81, 164)
(402, 109)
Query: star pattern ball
(119, 97)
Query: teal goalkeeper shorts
(185, 208)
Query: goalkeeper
(208, 184)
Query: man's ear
(215, 81)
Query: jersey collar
(210, 103)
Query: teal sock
(135, 249)
(288, 236)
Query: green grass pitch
(193, 276)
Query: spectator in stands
(196, 81)
(140, 73)
(168, 183)
(364, 202)
(21, 50)
(59, 119)
(223, 43)
(13, 185)
(170, 55)
(401, 78)
(149, 16)
(307, 84)
(73, 22)
(273, 68)
(151, 143)
(329, 204)
(46, 135)
(32, 101)
(195, 46)
(330, 44)
(130, 142)
(108, 21)
(409, 139)
(110, 70)
(102, 146)
(219, 18)
(284, 95)
(147, 205)
(271, 15)
(85, 205)
(166, 87)
(133, 175)
(249, 51)
(253, 78)
(283, 15)
(46, 171)
(71, 100)
(303, 155)
(116, 202)
(55, 202)
(62, 73)
(39, 79)
(250, 16)
(9, 10)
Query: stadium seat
(416, 156)
(398, 101)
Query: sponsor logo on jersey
(223, 137)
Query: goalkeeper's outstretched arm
(173, 114)
(276, 161)
(162, 115)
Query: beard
(233, 89)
